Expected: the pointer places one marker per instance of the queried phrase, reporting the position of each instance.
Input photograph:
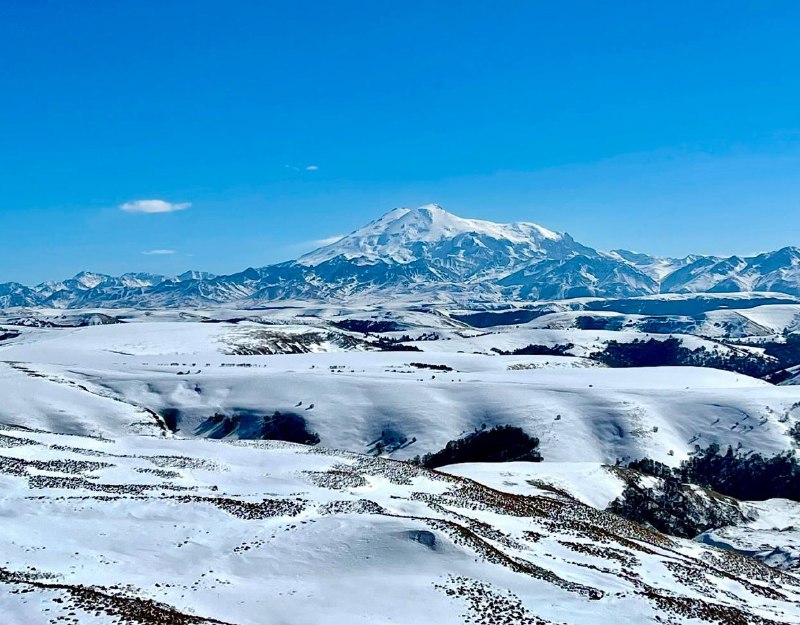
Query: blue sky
(667, 127)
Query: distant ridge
(428, 252)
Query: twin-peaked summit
(401, 235)
(428, 242)
(434, 255)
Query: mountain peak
(194, 275)
(89, 279)
(432, 211)
(398, 235)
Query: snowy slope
(772, 534)
(653, 266)
(130, 374)
(147, 530)
(115, 505)
(777, 271)
(591, 483)
(13, 294)
(768, 531)
(403, 233)
(578, 276)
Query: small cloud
(158, 252)
(306, 168)
(307, 246)
(154, 206)
(326, 241)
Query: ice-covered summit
(399, 234)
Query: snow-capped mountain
(411, 249)
(773, 271)
(87, 287)
(450, 244)
(13, 294)
(654, 266)
(195, 275)
(579, 276)
(430, 254)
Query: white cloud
(158, 252)
(326, 241)
(306, 167)
(302, 247)
(154, 206)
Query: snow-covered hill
(147, 530)
(429, 254)
(222, 379)
(135, 486)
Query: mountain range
(430, 253)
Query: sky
(163, 136)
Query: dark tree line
(673, 508)
(502, 443)
(671, 352)
(673, 505)
(787, 355)
(425, 365)
(386, 344)
(287, 427)
(744, 476)
(748, 477)
(279, 426)
(7, 334)
(538, 350)
(367, 326)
